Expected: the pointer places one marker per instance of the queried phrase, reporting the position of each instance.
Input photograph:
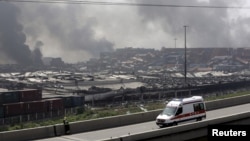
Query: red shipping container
(35, 107)
(30, 95)
(13, 109)
(54, 104)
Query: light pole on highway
(185, 63)
(175, 42)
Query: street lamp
(185, 63)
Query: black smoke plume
(12, 38)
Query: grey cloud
(77, 32)
(207, 27)
(70, 27)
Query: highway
(141, 127)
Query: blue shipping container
(77, 101)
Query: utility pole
(175, 42)
(185, 63)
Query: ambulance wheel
(199, 119)
(162, 126)
(175, 123)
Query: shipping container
(67, 102)
(54, 104)
(35, 107)
(1, 112)
(73, 101)
(1, 99)
(77, 101)
(9, 97)
(13, 109)
(30, 95)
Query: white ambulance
(180, 110)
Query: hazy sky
(77, 32)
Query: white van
(180, 110)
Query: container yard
(28, 104)
(20, 96)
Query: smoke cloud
(12, 38)
(37, 54)
(78, 32)
(207, 27)
(65, 30)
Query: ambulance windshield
(169, 111)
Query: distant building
(56, 62)
(46, 61)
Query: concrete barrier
(109, 122)
(90, 125)
(185, 131)
(227, 102)
(28, 134)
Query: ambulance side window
(202, 106)
(179, 111)
(198, 106)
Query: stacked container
(67, 101)
(73, 101)
(30, 95)
(19, 102)
(1, 112)
(20, 96)
(9, 97)
(35, 107)
(54, 104)
(77, 101)
(29, 101)
(13, 109)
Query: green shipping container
(10, 97)
(1, 112)
(67, 101)
(1, 100)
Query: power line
(124, 4)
